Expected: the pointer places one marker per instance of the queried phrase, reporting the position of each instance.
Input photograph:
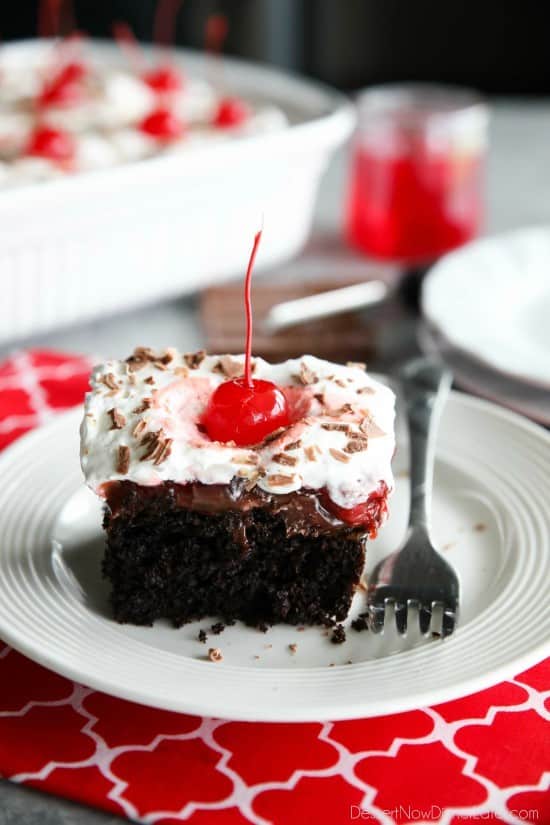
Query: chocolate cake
(273, 531)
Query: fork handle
(425, 386)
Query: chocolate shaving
(145, 405)
(312, 452)
(139, 358)
(139, 428)
(194, 359)
(283, 458)
(229, 367)
(109, 381)
(274, 435)
(370, 428)
(165, 450)
(167, 358)
(123, 460)
(149, 380)
(160, 365)
(306, 376)
(320, 397)
(365, 391)
(343, 410)
(294, 445)
(293, 647)
(358, 365)
(181, 372)
(356, 445)
(280, 480)
(246, 458)
(341, 428)
(117, 419)
(340, 382)
(338, 455)
(131, 378)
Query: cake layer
(143, 417)
(165, 560)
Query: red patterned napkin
(482, 758)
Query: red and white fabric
(485, 757)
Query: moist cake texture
(265, 533)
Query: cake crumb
(360, 623)
(256, 656)
(358, 365)
(268, 647)
(300, 629)
(215, 654)
(480, 527)
(293, 647)
(217, 628)
(331, 664)
(203, 635)
(449, 545)
(339, 635)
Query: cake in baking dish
(272, 531)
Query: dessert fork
(416, 575)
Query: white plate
(473, 376)
(491, 299)
(490, 517)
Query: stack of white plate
(486, 309)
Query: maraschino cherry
(230, 112)
(65, 88)
(163, 125)
(52, 144)
(164, 80)
(246, 410)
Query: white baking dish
(89, 244)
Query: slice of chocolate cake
(268, 532)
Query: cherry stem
(164, 27)
(248, 311)
(49, 14)
(129, 44)
(216, 33)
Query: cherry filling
(65, 88)
(162, 125)
(368, 513)
(230, 112)
(164, 80)
(52, 144)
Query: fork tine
(448, 622)
(424, 618)
(377, 613)
(400, 610)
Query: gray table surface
(518, 189)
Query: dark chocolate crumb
(338, 635)
(203, 635)
(217, 628)
(360, 623)
(263, 627)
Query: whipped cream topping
(105, 123)
(142, 423)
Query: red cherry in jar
(231, 112)
(164, 80)
(245, 414)
(52, 144)
(163, 125)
